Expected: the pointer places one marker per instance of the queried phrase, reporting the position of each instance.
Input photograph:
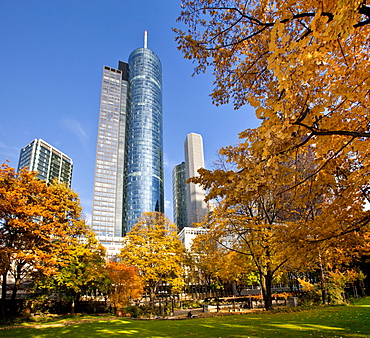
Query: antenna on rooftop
(145, 39)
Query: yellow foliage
(41, 227)
(307, 286)
(211, 261)
(304, 67)
(153, 247)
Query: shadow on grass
(344, 321)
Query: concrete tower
(194, 159)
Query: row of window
(102, 194)
(103, 199)
(108, 218)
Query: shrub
(134, 311)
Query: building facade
(129, 167)
(180, 212)
(49, 162)
(107, 210)
(144, 175)
(194, 160)
(188, 234)
(188, 199)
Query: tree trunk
(17, 282)
(323, 292)
(73, 305)
(360, 288)
(322, 281)
(3, 295)
(266, 284)
(77, 301)
(152, 291)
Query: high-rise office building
(49, 162)
(194, 160)
(180, 212)
(107, 209)
(144, 174)
(129, 167)
(188, 199)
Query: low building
(187, 235)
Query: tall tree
(38, 222)
(206, 260)
(304, 66)
(251, 228)
(264, 215)
(153, 247)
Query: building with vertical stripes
(49, 162)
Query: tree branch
(319, 169)
(323, 132)
(359, 226)
(364, 10)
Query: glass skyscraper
(144, 176)
(180, 211)
(129, 166)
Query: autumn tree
(327, 259)
(249, 226)
(300, 63)
(153, 247)
(213, 265)
(263, 214)
(126, 284)
(38, 222)
(80, 272)
(303, 65)
(206, 258)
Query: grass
(340, 321)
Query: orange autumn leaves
(39, 222)
(127, 285)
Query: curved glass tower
(144, 166)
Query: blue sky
(51, 56)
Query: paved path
(184, 312)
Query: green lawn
(341, 321)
